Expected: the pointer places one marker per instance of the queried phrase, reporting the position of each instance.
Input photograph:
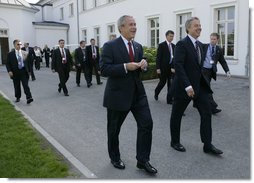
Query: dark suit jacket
(57, 64)
(89, 54)
(219, 57)
(79, 56)
(121, 86)
(163, 57)
(31, 54)
(188, 70)
(12, 63)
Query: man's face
(213, 40)
(61, 44)
(83, 44)
(93, 42)
(129, 29)
(195, 28)
(170, 37)
(17, 45)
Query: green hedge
(150, 73)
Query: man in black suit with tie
(30, 58)
(81, 63)
(214, 55)
(122, 63)
(164, 63)
(61, 63)
(191, 84)
(93, 57)
(18, 69)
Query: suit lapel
(193, 50)
(136, 51)
(123, 49)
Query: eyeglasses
(19, 44)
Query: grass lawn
(23, 152)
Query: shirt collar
(125, 40)
(193, 40)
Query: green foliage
(150, 54)
(24, 154)
(150, 73)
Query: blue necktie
(20, 62)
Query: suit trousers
(21, 77)
(164, 78)
(63, 77)
(208, 75)
(142, 115)
(204, 109)
(86, 71)
(94, 65)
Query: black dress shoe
(29, 100)
(178, 147)
(59, 90)
(66, 94)
(17, 100)
(33, 79)
(147, 167)
(156, 97)
(118, 164)
(78, 85)
(215, 111)
(100, 83)
(89, 84)
(211, 149)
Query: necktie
(131, 52)
(212, 50)
(198, 52)
(93, 50)
(20, 63)
(63, 56)
(170, 52)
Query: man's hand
(10, 74)
(173, 70)
(143, 64)
(190, 92)
(158, 71)
(132, 66)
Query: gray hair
(121, 21)
(188, 23)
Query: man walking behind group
(18, 69)
(214, 55)
(30, 58)
(61, 63)
(122, 63)
(164, 64)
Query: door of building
(4, 46)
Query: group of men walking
(187, 67)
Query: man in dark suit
(122, 63)
(61, 63)
(191, 84)
(214, 55)
(18, 68)
(30, 58)
(46, 52)
(81, 63)
(164, 62)
(93, 57)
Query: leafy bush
(150, 54)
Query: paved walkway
(76, 126)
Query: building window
(95, 3)
(97, 36)
(225, 26)
(83, 5)
(110, 1)
(3, 33)
(71, 10)
(181, 19)
(61, 13)
(154, 32)
(84, 35)
(111, 32)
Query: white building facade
(75, 20)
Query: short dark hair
(92, 39)
(169, 32)
(215, 34)
(60, 40)
(81, 42)
(15, 40)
